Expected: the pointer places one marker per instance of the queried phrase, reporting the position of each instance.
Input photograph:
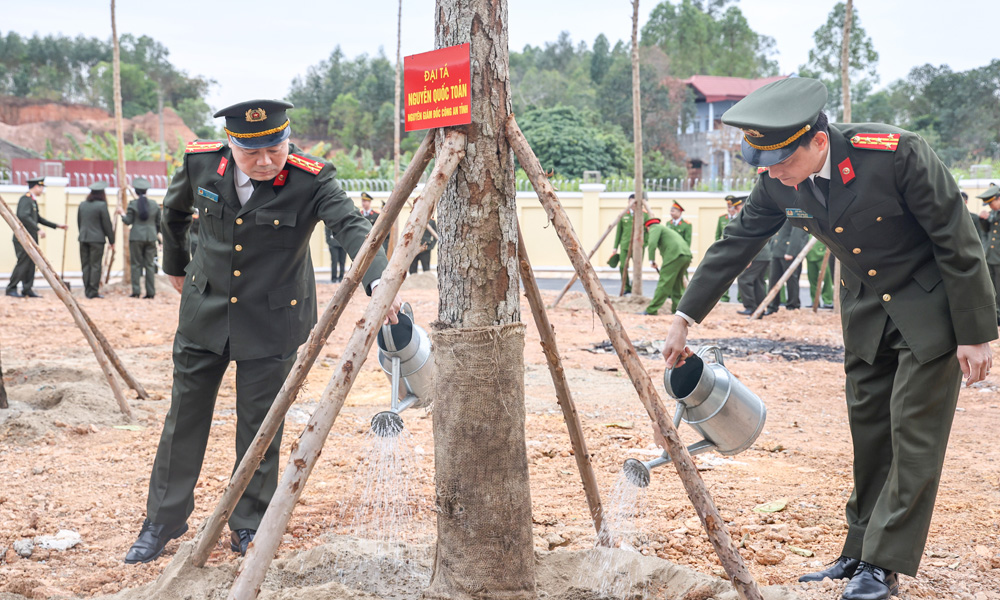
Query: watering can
(404, 352)
(712, 401)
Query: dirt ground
(70, 461)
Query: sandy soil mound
(628, 304)
(420, 281)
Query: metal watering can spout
(713, 402)
(404, 352)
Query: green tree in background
(824, 60)
(569, 141)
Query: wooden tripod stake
(82, 321)
(211, 529)
(776, 288)
(744, 584)
(547, 334)
(307, 448)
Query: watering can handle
(714, 350)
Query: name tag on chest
(797, 213)
(207, 194)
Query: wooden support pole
(547, 333)
(573, 279)
(715, 526)
(211, 529)
(307, 448)
(819, 280)
(60, 290)
(776, 288)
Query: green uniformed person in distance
(814, 263)
(675, 257)
(720, 226)
(247, 295)
(622, 243)
(95, 227)
(917, 304)
(27, 214)
(143, 216)
(989, 223)
(678, 224)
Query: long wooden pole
(822, 276)
(120, 139)
(212, 527)
(638, 227)
(715, 526)
(60, 290)
(578, 441)
(573, 279)
(776, 288)
(309, 445)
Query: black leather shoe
(148, 297)
(13, 294)
(133, 295)
(152, 539)
(30, 294)
(745, 311)
(770, 311)
(871, 583)
(240, 540)
(842, 568)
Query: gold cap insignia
(753, 133)
(255, 115)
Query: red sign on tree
(436, 88)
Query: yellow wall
(591, 210)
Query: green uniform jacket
(991, 245)
(94, 222)
(670, 244)
(721, 225)
(251, 282)
(142, 231)
(899, 227)
(623, 232)
(683, 228)
(816, 252)
(27, 214)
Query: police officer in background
(338, 257)
(248, 295)
(94, 224)
(989, 224)
(917, 306)
(27, 214)
(143, 216)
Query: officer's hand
(984, 215)
(177, 281)
(789, 257)
(120, 212)
(652, 263)
(63, 226)
(675, 348)
(615, 251)
(390, 317)
(975, 361)
(41, 234)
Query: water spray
(404, 352)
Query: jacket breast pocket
(277, 228)
(884, 213)
(210, 218)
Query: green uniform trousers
(197, 377)
(24, 270)
(142, 257)
(623, 269)
(90, 261)
(812, 271)
(670, 285)
(900, 434)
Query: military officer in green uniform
(678, 224)
(675, 257)
(814, 262)
(95, 227)
(917, 304)
(720, 226)
(248, 295)
(622, 243)
(989, 224)
(143, 216)
(27, 213)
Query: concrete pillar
(711, 116)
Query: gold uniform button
(233, 299)
(239, 248)
(239, 221)
(857, 250)
(237, 273)
(294, 302)
(878, 218)
(839, 230)
(886, 297)
(277, 222)
(873, 273)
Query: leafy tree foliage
(569, 141)
(825, 60)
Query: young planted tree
(484, 546)
(3, 390)
(638, 227)
(119, 135)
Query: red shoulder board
(761, 170)
(306, 164)
(876, 141)
(198, 146)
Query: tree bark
(396, 120)
(845, 64)
(120, 137)
(638, 227)
(485, 545)
(3, 390)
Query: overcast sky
(254, 49)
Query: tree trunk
(845, 64)
(638, 227)
(395, 114)
(3, 390)
(484, 547)
(120, 137)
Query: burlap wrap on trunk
(482, 492)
